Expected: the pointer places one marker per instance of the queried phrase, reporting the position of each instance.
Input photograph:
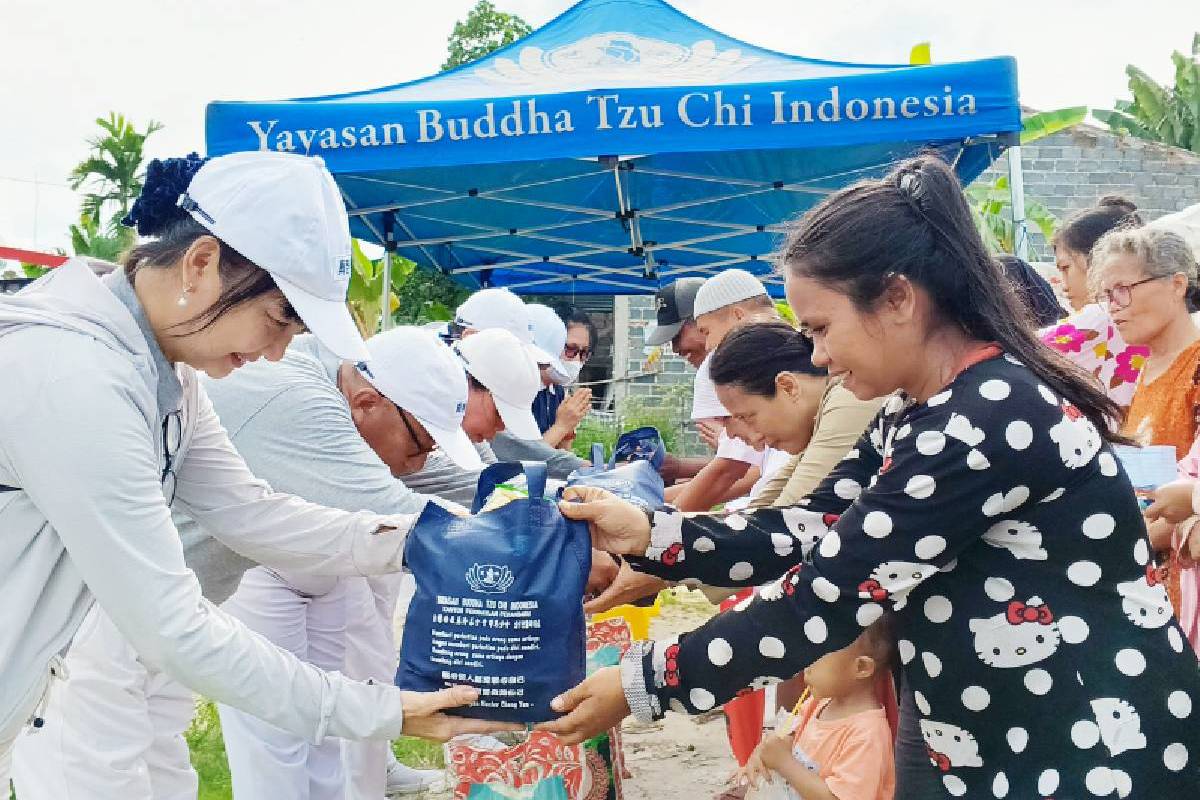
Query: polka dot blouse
(1042, 651)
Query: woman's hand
(710, 432)
(593, 706)
(617, 526)
(574, 408)
(628, 585)
(604, 572)
(423, 715)
(1172, 502)
(1160, 532)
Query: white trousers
(113, 730)
(371, 653)
(307, 617)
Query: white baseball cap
(549, 334)
(283, 212)
(725, 289)
(416, 371)
(499, 361)
(500, 308)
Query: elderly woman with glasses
(1146, 279)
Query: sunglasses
(574, 351)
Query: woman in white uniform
(106, 426)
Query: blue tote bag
(499, 601)
(640, 444)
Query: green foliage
(112, 170)
(208, 753)
(669, 414)
(34, 271)
(88, 240)
(485, 29)
(419, 753)
(427, 296)
(365, 295)
(1040, 125)
(991, 206)
(1160, 113)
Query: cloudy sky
(65, 62)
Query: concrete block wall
(1071, 170)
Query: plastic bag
(641, 444)
(499, 601)
(637, 481)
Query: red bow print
(671, 555)
(1153, 577)
(1019, 613)
(887, 464)
(671, 668)
(939, 760)
(830, 519)
(872, 589)
(1073, 413)
(790, 579)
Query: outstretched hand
(626, 586)
(617, 526)
(424, 714)
(593, 706)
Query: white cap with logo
(549, 334)
(414, 369)
(505, 367)
(725, 289)
(500, 308)
(283, 212)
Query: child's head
(854, 668)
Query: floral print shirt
(1089, 339)
(1006, 538)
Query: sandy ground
(677, 758)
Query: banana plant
(365, 296)
(991, 206)
(1159, 113)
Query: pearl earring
(183, 301)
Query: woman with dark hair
(108, 427)
(1088, 337)
(984, 507)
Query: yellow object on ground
(638, 617)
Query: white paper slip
(1148, 467)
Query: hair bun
(158, 204)
(1122, 204)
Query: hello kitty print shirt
(1005, 536)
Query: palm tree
(113, 170)
(1159, 113)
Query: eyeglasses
(172, 435)
(412, 434)
(1121, 295)
(573, 351)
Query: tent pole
(1016, 188)
(389, 247)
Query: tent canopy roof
(621, 146)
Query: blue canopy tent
(621, 146)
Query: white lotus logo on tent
(490, 578)
(617, 60)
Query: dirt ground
(678, 758)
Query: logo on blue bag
(489, 578)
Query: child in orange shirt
(842, 747)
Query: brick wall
(1066, 172)
(1069, 171)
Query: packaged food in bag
(498, 602)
